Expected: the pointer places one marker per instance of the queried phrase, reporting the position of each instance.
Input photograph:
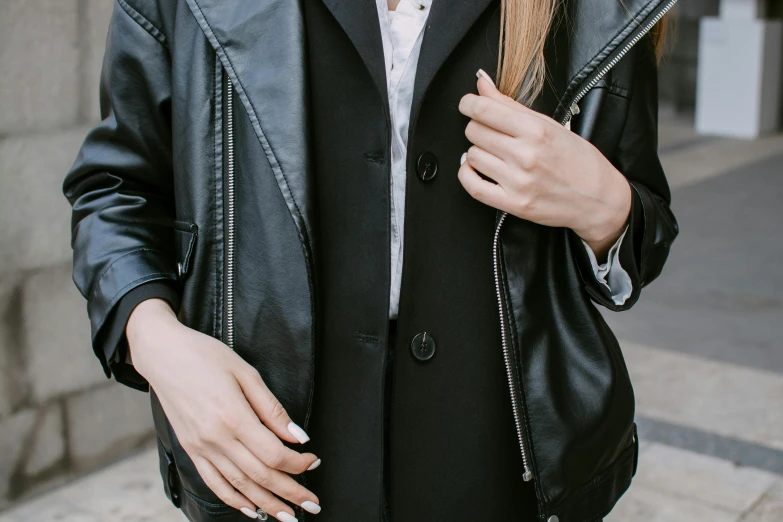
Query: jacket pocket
(196, 508)
(186, 233)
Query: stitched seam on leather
(304, 233)
(581, 72)
(274, 164)
(527, 423)
(121, 292)
(106, 270)
(143, 22)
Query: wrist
(613, 218)
(148, 320)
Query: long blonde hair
(521, 69)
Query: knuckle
(524, 203)
(541, 133)
(261, 476)
(481, 107)
(229, 421)
(238, 483)
(275, 459)
(528, 159)
(277, 411)
(476, 191)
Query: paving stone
(713, 396)
(14, 431)
(57, 335)
(106, 422)
(97, 14)
(50, 511)
(39, 50)
(702, 478)
(35, 215)
(642, 503)
(49, 446)
(769, 507)
(131, 490)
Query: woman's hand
(543, 172)
(224, 415)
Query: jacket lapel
(359, 20)
(447, 24)
(261, 46)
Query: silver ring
(262, 515)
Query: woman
(238, 227)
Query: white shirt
(402, 31)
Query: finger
(268, 408)
(279, 483)
(216, 482)
(486, 163)
(494, 114)
(486, 87)
(489, 139)
(484, 191)
(271, 451)
(263, 498)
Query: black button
(423, 346)
(427, 166)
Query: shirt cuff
(611, 274)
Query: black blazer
(165, 204)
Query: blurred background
(704, 345)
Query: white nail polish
(248, 512)
(286, 517)
(314, 465)
(481, 73)
(311, 507)
(463, 158)
(298, 433)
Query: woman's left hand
(543, 172)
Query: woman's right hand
(214, 401)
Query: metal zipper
(613, 62)
(230, 214)
(572, 110)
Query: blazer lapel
(359, 20)
(261, 46)
(447, 24)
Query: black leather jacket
(153, 215)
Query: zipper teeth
(230, 218)
(613, 62)
(506, 357)
(528, 474)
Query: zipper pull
(527, 476)
(575, 109)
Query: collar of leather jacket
(586, 38)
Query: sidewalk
(703, 347)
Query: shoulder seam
(143, 22)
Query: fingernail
(248, 512)
(286, 517)
(463, 158)
(481, 73)
(298, 433)
(314, 465)
(311, 507)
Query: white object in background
(739, 72)
(742, 9)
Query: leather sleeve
(121, 186)
(652, 226)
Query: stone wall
(59, 415)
